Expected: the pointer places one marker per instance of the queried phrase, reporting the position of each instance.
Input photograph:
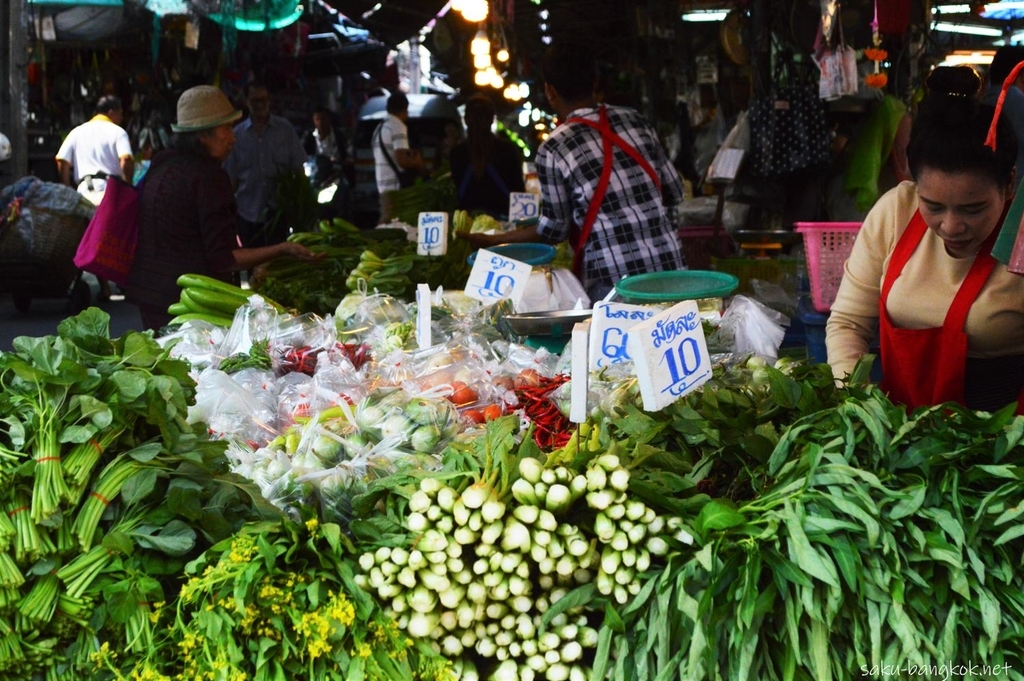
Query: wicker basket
(54, 238)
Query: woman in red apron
(950, 318)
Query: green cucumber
(202, 281)
(217, 320)
(194, 305)
(215, 301)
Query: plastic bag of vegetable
(197, 341)
(254, 322)
(233, 407)
(298, 341)
(422, 425)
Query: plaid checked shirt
(634, 232)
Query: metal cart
(41, 224)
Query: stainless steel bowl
(549, 323)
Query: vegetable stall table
(167, 518)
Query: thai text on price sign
(609, 332)
(523, 206)
(432, 235)
(495, 277)
(670, 355)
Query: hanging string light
(471, 10)
(480, 44)
(481, 61)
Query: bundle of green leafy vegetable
(320, 285)
(842, 543)
(107, 493)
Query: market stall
(272, 494)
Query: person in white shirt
(391, 153)
(95, 150)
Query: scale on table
(767, 242)
(550, 330)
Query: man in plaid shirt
(606, 182)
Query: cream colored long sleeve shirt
(921, 296)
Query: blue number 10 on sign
(494, 277)
(670, 355)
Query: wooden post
(14, 91)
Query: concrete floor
(44, 314)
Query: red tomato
(473, 415)
(491, 412)
(463, 395)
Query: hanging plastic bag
(755, 328)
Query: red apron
(608, 138)
(922, 367)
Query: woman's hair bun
(955, 81)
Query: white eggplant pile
(504, 580)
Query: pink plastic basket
(827, 246)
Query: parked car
(431, 117)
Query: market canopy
(393, 21)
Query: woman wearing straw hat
(950, 319)
(187, 212)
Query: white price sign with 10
(495, 277)
(432, 234)
(609, 332)
(523, 206)
(670, 355)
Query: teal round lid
(528, 252)
(676, 285)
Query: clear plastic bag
(241, 407)
(756, 328)
(254, 321)
(196, 341)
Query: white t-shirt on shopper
(96, 146)
(395, 135)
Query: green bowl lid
(675, 286)
(529, 252)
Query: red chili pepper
(551, 428)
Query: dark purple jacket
(187, 224)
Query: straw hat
(203, 107)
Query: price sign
(432, 235)
(523, 206)
(670, 355)
(580, 386)
(495, 277)
(609, 332)
(423, 305)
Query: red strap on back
(608, 138)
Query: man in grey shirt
(265, 146)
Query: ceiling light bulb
(497, 82)
(524, 90)
(502, 55)
(481, 61)
(482, 78)
(513, 91)
(480, 44)
(474, 10)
